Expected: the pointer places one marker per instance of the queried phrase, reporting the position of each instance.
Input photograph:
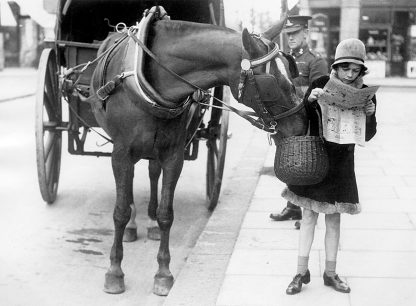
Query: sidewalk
(377, 247)
(17, 83)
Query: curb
(391, 83)
(16, 97)
(200, 280)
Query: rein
(246, 115)
(265, 121)
(246, 73)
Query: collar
(298, 52)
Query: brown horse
(205, 55)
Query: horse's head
(266, 86)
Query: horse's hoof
(153, 233)
(162, 285)
(114, 284)
(130, 235)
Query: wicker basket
(301, 160)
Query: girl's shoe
(336, 283)
(296, 284)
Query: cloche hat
(350, 50)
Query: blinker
(267, 87)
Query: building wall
(350, 19)
(29, 43)
(395, 3)
(385, 26)
(1, 52)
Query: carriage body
(81, 26)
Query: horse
(203, 56)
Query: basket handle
(319, 123)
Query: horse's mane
(185, 27)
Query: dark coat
(338, 191)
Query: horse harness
(264, 87)
(134, 50)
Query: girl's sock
(330, 267)
(302, 264)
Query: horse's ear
(251, 45)
(275, 30)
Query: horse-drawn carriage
(65, 72)
(140, 86)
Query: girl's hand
(315, 94)
(369, 108)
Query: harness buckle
(273, 125)
(104, 91)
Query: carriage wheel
(217, 146)
(48, 119)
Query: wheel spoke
(210, 172)
(51, 75)
(50, 99)
(51, 142)
(51, 172)
(215, 149)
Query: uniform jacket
(337, 193)
(310, 64)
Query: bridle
(267, 81)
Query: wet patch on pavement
(92, 231)
(83, 241)
(88, 252)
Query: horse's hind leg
(171, 171)
(153, 231)
(123, 169)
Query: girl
(337, 193)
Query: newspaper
(346, 96)
(343, 115)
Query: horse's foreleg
(130, 233)
(123, 169)
(155, 169)
(171, 172)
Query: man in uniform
(311, 66)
